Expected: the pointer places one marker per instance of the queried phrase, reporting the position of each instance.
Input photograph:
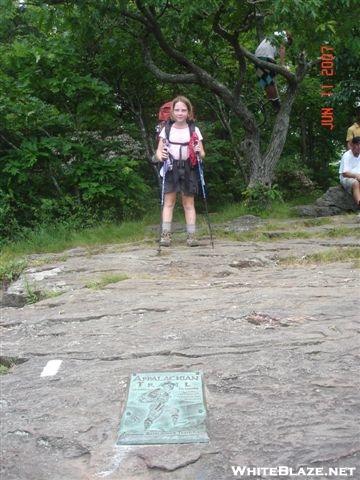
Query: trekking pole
(202, 181)
(162, 199)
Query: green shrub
(293, 178)
(261, 198)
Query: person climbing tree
(268, 52)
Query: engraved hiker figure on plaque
(158, 398)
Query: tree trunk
(262, 166)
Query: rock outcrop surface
(277, 343)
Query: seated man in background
(349, 170)
(354, 130)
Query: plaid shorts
(265, 76)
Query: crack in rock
(344, 455)
(154, 462)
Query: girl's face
(180, 112)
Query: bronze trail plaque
(164, 407)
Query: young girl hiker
(180, 176)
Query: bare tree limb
(160, 74)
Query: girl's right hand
(165, 153)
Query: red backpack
(163, 116)
(164, 111)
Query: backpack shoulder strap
(191, 124)
(168, 125)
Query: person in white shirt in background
(349, 170)
(354, 130)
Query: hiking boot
(191, 241)
(165, 239)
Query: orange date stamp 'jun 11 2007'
(327, 71)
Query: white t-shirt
(179, 135)
(349, 163)
(267, 50)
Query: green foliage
(9, 225)
(260, 198)
(3, 369)
(78, 107)
(93, 181)
(11, 267)
(52, 167)
(224, 181)
(32, 293)
(294, 178)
